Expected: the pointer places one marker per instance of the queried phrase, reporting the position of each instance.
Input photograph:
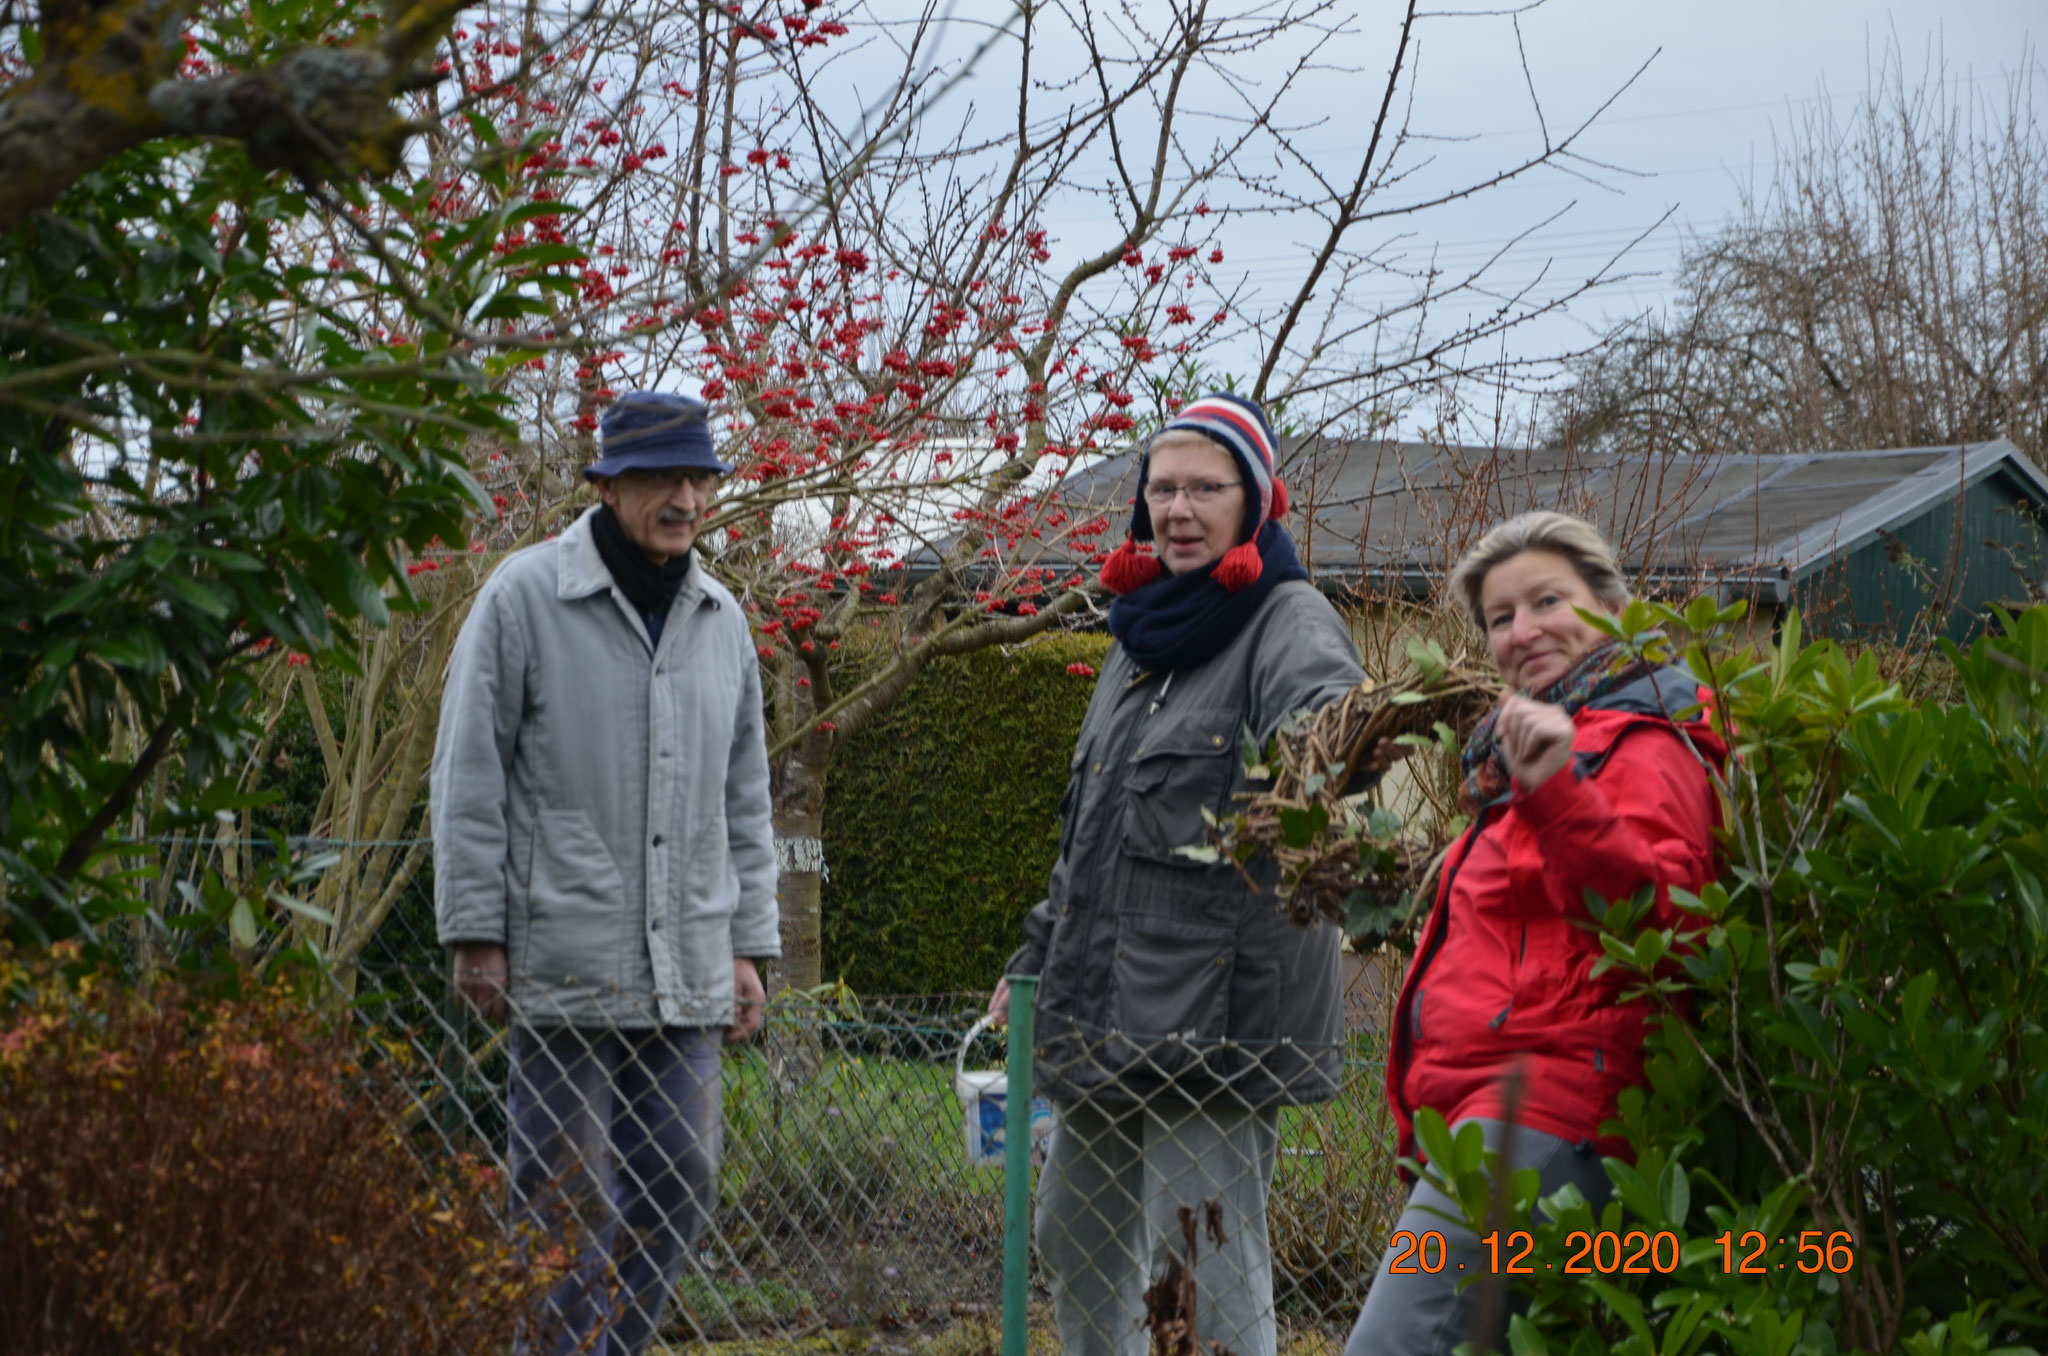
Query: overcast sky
(1700, 121)
(1694, 128)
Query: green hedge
(942, 818)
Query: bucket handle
(967, 1043)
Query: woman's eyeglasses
(1199, 492)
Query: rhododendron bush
(923, 266)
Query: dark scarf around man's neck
(649, 587)
(1187, 619)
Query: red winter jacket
(1501, 974)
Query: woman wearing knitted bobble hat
(1178, 1009)
(1239, 428)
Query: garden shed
(1863, 542)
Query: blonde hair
(1577, 540)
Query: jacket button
(657, 840)
(1219, 960)
(1098, 767)
(1119, 951)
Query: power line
(1718, 109)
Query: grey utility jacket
(600, 806)
(1148, 960)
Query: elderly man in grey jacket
(605, 866)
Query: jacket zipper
(1403, 1041)
(1164, 688)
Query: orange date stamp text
(1636, 1252)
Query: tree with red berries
(915, 312)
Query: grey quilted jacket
(1152, 966)
(599, 804)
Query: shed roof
(1384, 509)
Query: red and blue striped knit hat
(1240, 427)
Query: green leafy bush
(1849, 1087)
(942, 818)
(216, 451)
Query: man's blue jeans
(615, 1141)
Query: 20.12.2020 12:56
(1634, 1253)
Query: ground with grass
(849, 1212)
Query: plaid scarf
(1600, 671)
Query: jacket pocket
(1178, 770)
(576, 903)
(1170, 977)
(703, 879)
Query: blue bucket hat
(653, 431)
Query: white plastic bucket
(984, 1108)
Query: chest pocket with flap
(1180, 765)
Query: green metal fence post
(1017, 1164)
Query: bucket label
(987, 1129)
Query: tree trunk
(799, 798)
(793, 1040)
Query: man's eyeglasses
(1199, 492)
(669, 477)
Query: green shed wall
(1867, 593)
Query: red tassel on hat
(1126, 571)
(1240, 567)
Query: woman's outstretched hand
(1385, 754)
(999, 1001)
(1535, 736)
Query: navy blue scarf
(649, 587)
(1186, 619)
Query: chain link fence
(855, 1206)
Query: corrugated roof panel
(1711, 485)
(1355, 469)
(1762, 531)
(1393, 526)
(1740, 534)
(1875, 471)
(1646, 498)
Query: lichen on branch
(108, 82)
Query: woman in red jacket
(1591, 775)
